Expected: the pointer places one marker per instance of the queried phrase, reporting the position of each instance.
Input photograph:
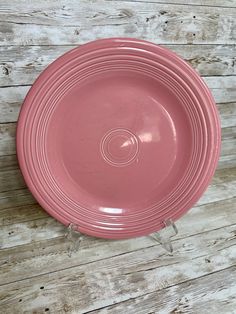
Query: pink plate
(117, 136)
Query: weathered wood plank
(210, 3)
(36, 230)
(12, 179)
(228, 147)
(21, 65)
(223, 89)
(228, 133)
(11, 99)
(8, 162)
(212, 292)
(106, 272)
(227, 113)
(14, 198)
(223, 176)
(210, 60)
(122, 277)
(7, 145)
(22, 213)
(56, 13)
(20, 197)
(212, 192)
(207, 217)
(35, 258)
(220, 82)
(227, 161)
(7, 139)
(224, 95)
(223, 187)
(81, 21)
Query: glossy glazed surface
(116, 136)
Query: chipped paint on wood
(215, 291)
(128, 276)
(77, 22)
(21, 65)
(122, 277)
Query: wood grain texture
(37, 275)
(46, 251)
(11, 180)
(209, 3)
(76, 22)
(7, 139)
(122, 277)
(11, 99)
(8, 162)
(222, 87)
(27, 229)
(202, 295)
(21, 65)
(14, 198)
(227, 113)
(21, 213)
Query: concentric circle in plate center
(119, 147)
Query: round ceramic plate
(117, 136)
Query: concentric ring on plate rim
(203, 179)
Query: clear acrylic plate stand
(74, 237)
(163, 236)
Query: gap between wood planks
(156, 269)
(31, 292)
(23, 197)
(29, 233)
(190, 3)
(194, 3)
(222, 188)
(11, 98)
(81, 22)
(7, 143)
(73, 45)
(156, 246)
(89, 242)
(22, 65)
(186, 218)
(165, 300)
(12, 179)
(203, 76)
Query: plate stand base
(74, 237)
(163, 236)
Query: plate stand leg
(74, 237)
(165, 240)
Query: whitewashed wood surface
(132, 276)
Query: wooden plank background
(132, 276)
